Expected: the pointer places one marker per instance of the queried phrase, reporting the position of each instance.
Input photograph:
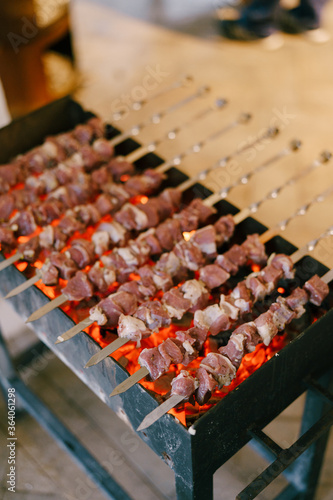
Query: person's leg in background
(261, 18)
(307, 16)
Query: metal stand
(27, 400)
(301, 463)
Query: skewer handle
(24, 286)
(104, 353)
(130, 381)
(74, 331)
(58, 301)
(161, 410)
(11, 260)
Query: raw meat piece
(67, 267)
(205, 239)
(153, 315)
(206, 385)
(196, 293)
(78, 287)
(234, 350)
(317, 290)
(213, 276)
(266, 327)
(7, 205)
(168, 234)
(184, 385)
(175, 303)
(212, 318)
(189, 254)
(224, 228)
(154, 362)
(252, 337)
(82, 252)
(132, 328)
(254, 249)
(220, 367)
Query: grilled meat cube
(101, 176)
(118, 168)
(134, 288)
(194, 337)
(132, 217)
(79, 287)
(212, 319)
(241, 297)
(220, 367)
(232, 259)
(257, 288)
(151, 210)
(188, 220)
(153, 314)
(168, 234)
(169, 201)
(266, 327)
(175, 303)
(105, 204)
(132, 328)
(205, 239)
(252, 337)
(67, 267)
(162, 280)
(170, 264)
(213, 276)
(7, 205)
(254, 249)
(285, 263)
(82, 252)
(104, 149)
(47, 211)
(150, 239)
(49, 274)
(202, 211)
(101, 277)
(68, 142)
(116, 232)
(196, 293)
(155, 363)
(23, 222)
(87, 214)
(235, 348)
(145, 183)
(189, 254)
(172, 351)
(224, 228)
(69, 224)
(29, 249)
(206, 385)
(83, 133)
(317, 290)
(101, 241)
(270, 275)
(97, 126)
(184, 385)
(296, 300)
(282, 315)
(23, 198)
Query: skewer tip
(295, 145)
(59, 340)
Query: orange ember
(280, 289)
(255, 268)
(128, 356)
(187, 236)
(124, 178)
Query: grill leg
(306, 470)
(194, 488)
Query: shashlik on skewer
(218, 369)
(136, 183)
(25, 221)
(167, 242)
(217, 317)
(137, 105)
(81, 147)
(185, 185)
(214, 275)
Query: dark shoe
(237, 30)
(294, 22)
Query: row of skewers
(185, 242)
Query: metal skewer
(172, 134)
(137, 105)
(120, 341)
(266, 236)
(175, 399)
(185, 185)
(270, 132)
(157, 117)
